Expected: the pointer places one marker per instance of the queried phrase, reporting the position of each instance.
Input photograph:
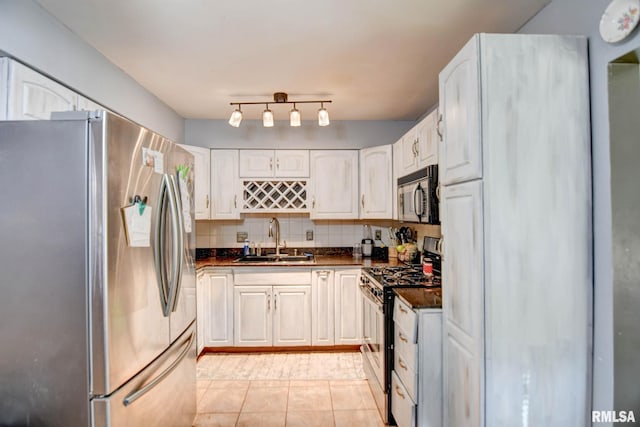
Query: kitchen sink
(273, 258)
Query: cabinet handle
(313, 203)
(270, 164)
(402, 365)
(323, 273)
(402, 337)
(275, 302)
(402, 309)
(399, 392)
(235, 202)
(438, 127)
(207, 202)
(415, 148)
(268, 302)
(363, 201)
(277, 163)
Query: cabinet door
(410, 152)
(292, 163)
(201, 294)
(428, 140)
(291, 315)
(218, 310)
(252, 316)
(376, 200)
(322, 308)
(334, 184)
(463, 305)
(461, 156)
(256, 163)
(397, 173)
(225, 185)
(33, 96)
(348, 307)
(202, 177)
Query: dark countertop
(419, 297)
(321, 261)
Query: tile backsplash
(293, 229)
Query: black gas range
(377, 285)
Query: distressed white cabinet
(272, 307)
(517, 267)
(322, 307)
(397, 173)
(274, 163)
(416, 391)
(409, 155)
(333, 187)
(376, 200)
(348, 307)
(225, 190)
(428, 140)
(30, 95)
(215, 308)
(202, 184)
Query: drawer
(406, 373)
(271, 276)
(403, 407)
(406, 318)
(403, 345)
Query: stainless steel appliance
(376, 286)
(95, 332)
(418, 196)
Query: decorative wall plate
(619, 19)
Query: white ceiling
(377, 60)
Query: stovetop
(401, 276)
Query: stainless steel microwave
(418, 196)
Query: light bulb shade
(294, 117)
(267, 118)
(323, 117)
(236, 118)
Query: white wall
(31, 35)
(583, 17)
(251, 134)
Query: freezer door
(180, 166)
(129, 316)
(163, 395)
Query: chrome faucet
(277, 235)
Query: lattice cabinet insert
(274, 196)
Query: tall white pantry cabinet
(515, 172)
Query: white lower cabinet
(215, 309)
(322, 307)
(272, 308)
(348, 307)
(416, 382)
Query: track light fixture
(280, 98)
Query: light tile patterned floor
(294, 389)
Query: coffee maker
(367, 241)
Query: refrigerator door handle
(178, 246)
(176, 229)
(159, 241)
(135, 395)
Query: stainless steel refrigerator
(97, 313)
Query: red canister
(427, 267)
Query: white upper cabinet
(201, 172)
(376, 200)
(32, 96)
(409, 152)
(225, 185)
(459, 86)
(428, 140)
(397, 173)
(274, 163)
(334, 184)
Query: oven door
(373, 335)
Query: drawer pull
(399, 392)
(402, 309)
(402, 337)
(402, 365)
